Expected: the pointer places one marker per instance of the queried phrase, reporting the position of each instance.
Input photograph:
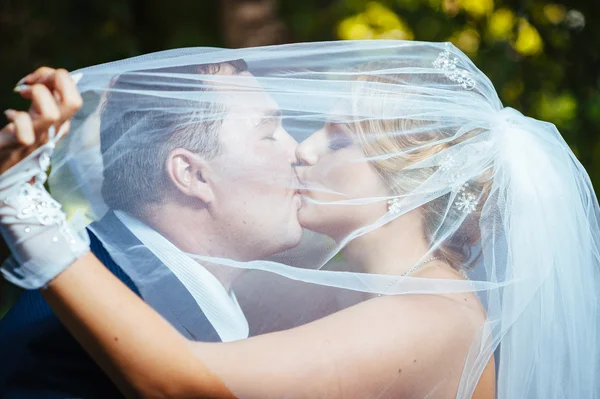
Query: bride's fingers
(37, 76)
(69, 99)
(23, 126)
(7, 135)
(44, 109)
(62, 86)
(16, 139)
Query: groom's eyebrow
(269, 116)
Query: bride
(467, 228)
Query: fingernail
(10, 113)
(20, 87)
(76, 77)
(23, 80)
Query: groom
(186, 185)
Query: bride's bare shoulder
(424, 319)
(459, 301)
(427, 305)
(420, 338)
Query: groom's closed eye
(269, 124)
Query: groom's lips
(302, 191)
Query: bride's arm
(394, 344)
(142, 353)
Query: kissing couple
(349, 219)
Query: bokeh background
(542, 56)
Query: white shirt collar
(220, 307)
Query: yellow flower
(466, 40)
(354, 28)
(381, 16)
(529, 41)
(501, 23)
(396, 34)
(376, 22)
(477, 8)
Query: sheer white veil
(502, 197)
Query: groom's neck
(192, 231)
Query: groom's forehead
(246, 100)
(243, 90)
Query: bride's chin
(313, 218)
(307, 217)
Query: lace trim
(448, 65)
(31, 203)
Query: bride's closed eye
(338, 137)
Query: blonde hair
(385, 136)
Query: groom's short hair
(139, 128)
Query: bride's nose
(310, 150)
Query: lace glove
(33, 224)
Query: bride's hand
(42, 243)
(54, 101)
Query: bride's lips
(303, 190)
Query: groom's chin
(291, 237)
(294, 235)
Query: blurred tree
(249, 23)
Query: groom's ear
(188, 171)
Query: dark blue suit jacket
(40, 359)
